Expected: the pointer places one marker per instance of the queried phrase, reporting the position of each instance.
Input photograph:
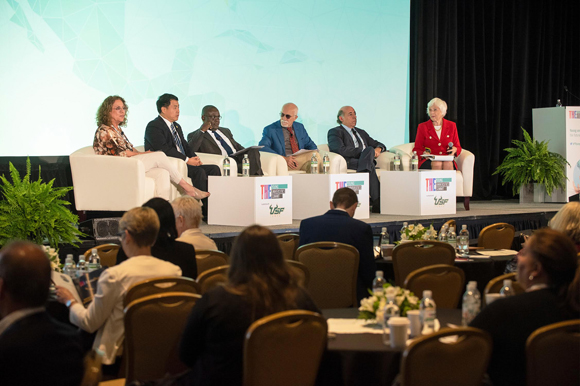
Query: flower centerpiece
(418, 232)
(372, 307)
(52, 255)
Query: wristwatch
(70, 302)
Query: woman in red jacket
(437, 136)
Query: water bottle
(506, 289)
(558, 103)
(443, 234)
(246, 166)
(69, 267)
(397, 163)
(404, 228)
(378, 283)
(81, 266)
(326, 164)
(227, 166)
(415, 162)
(314, 164)
(452, 238)
(390, 310)
(428, 312)
(384, 238)
(471, 303)
(463, 241)
(94, 261)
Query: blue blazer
(273, 138)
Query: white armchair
(338, 164)
(218, 159)
(465, 163)
(273, 164)
(116, 183)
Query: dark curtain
(492, 61)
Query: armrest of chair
(465, 163)
(385, 160)
(273, 164)
(405, 150)
(337, 163)
(218, 160)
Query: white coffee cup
(491, 297)
(414, 317)
(398, 330)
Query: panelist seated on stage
(213, 139)
(187, 219)
(338, 225)
(437, 136)
(111, 140)
(286, 137)
(358, 149)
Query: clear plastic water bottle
(471, 303)
(507, 289)
(414, 162)
(390, 310)
(463, 241)
(428, 310)
(443, 234)
(326, 163)
(384, 237)
(94, 261)
(452, 238)
(558, 103)
(314, 164)
(69, 267)
(404, 228)
(378, 284)
(82, 266)
(226, 165)
(246, 166)
(397, 163)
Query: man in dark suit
(34, 348)
(339, 225)
(213, 139)
(358, 149)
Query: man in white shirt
(187, 219)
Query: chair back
(451, 223)
(153, 328)
(160, 285)
(333, 271)
(93, 368)
(495, 285)
(412, 255)
(301, 271)
(445, 281)
(107, 254)
(289, 244)
(497, 236)
(553, 354)
(284, 349)
(212, 278)
(210, 258)
(430, 360)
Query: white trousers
(160, 168)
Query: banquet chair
(93, 368)
(301, 270)
(553, 354)
(445, 281)
(289, 244)
(495, 285)
(451, 223)
(439, 359)
(333, 271)
(210, 258)
(412, 255)
(284, 349)
(497, 236)
(153, 328)
(107, 254)
(212, 278)
(160, 285)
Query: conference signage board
(425, 192)
(573, 150)
(312, 193)
(245, 201)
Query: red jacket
(427, 138)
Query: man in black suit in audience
(358, 149)
(34, 348)
(213, 139)
(339, 225)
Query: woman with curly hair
(111, 140)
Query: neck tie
(293, 143)
(225, 145)
(357, 138)
(176, 139)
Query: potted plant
(35, 211)
(530, 162)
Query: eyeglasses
(288, 116)
(120, 108)
(214, 116)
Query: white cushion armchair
(218, 160)
(338, 164)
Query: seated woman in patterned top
(111, 140)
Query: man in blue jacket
(286, 137)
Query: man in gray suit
(213, 139)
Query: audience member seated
(139, 228)
(34, 348)
(567, 221)
(166, 246)
(548, 271)
(187, 219)
(259, 283)
(339, 225)
(111, 140)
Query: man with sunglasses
(213, 139)
(286, 137)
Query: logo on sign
(440, 200)
(276, 211)
(273, 192)
(437, 184)
(574, 114)
(354, 185)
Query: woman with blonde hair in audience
(567, 221)
(259, 283)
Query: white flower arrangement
(52, 255)
(372, 307)
(418, 232)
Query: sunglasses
(288, 116)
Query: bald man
(286, 136)
(34, 348)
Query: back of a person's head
(344, 198)
(164, 210)
(189, 208)
(143, 225)
(25, 273)
(567, 221)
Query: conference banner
(573, 151)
